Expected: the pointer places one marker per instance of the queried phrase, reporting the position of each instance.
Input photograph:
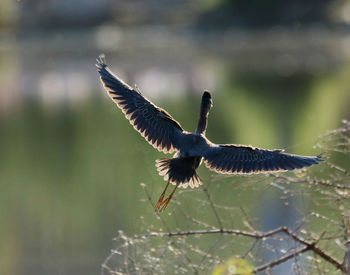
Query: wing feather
(240, 159)
(153, 123)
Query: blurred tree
(261, 14)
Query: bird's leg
(160, 200)
(167, 200)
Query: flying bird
(164, 133)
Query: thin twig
(195, 271)
(213, 207)
(310, 181)
(247, 222)
(156, 212)
(250, 248)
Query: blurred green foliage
(8, 13)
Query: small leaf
(233, 266)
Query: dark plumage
(166, 134)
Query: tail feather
(179, 171)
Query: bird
(164, 133)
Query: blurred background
(70, 163)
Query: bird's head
(207, 102)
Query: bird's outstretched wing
(240, 159)
(153, 123)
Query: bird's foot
(165, 203)
(160, 206)
(161, 198)
(160, 202)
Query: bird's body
(192, 145)
(166, 134)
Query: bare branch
(257, 235)
(280, 260)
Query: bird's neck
(203, 119)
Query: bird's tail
(180, 171)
